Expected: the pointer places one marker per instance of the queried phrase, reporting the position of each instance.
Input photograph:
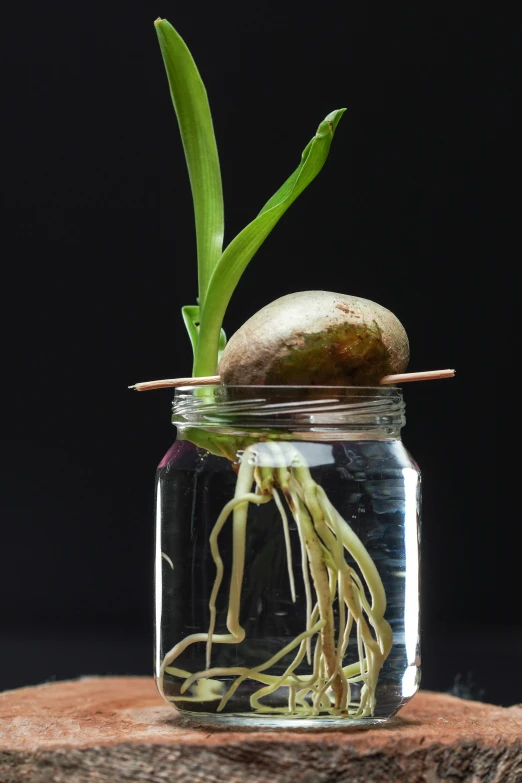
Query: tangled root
(325, 538)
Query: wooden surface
(116, 729)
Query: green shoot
(236, 257)
(219, 272)
(197, 134)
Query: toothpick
(405, 377)
(206, 380)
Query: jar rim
(293, 408)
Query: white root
(240, 501)
(353, 544)
(308, 591)
(288, 543)
(255, 670)
(324, 538)
(167, 558)
(231, 506)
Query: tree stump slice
(114, 729)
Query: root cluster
(325, 537)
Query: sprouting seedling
(219, 271)
(280, 470)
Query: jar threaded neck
(292, 408)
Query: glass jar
(287, 557)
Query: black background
(101, 256)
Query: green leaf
(191, 319)
(197, 134)
(237, 255)
(190, 315)
(221, 343)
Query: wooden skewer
(429, 375)
(204, 380)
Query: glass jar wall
(287, 557)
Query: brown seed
(316, 338)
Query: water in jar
(375, 487)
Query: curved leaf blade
(191, 319)
(190, 314)
(197, 134)
(240, 251)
